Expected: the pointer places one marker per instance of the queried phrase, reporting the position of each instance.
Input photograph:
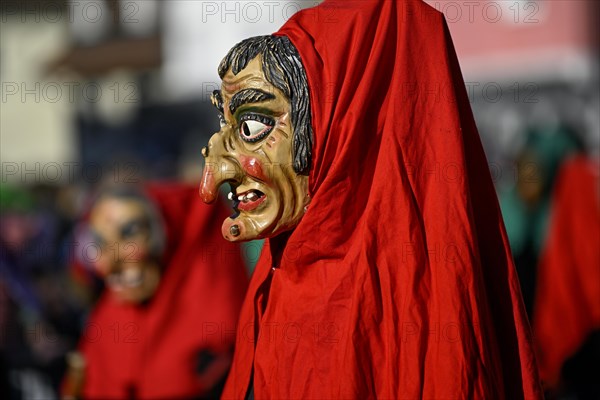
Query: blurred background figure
(525, 206)
(39, 314)
(164, 326)
(567, 311)
(117, 91)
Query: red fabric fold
(154, 351)
(398, 282)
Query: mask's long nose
(219, 167)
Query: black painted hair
(283, 68)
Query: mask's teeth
(240, 198)
(252, 196)
(131, 277)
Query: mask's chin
(270, 223)
(245, 227)
(254, 215)
(262, 211)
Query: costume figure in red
(164, 326)
(567, 308)
(391, 276)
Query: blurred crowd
(156, 75)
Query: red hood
(398, 282)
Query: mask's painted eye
(254, 127)
(133, 228)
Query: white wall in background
(36, 113)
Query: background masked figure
(164, 326)
(387, 272)
(566, 320)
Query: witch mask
(263, 147)
(129, 239)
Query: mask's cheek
(288, 203)
(256, 168)
(277, 149)
(294, 195)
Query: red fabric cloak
(398, 282)
(153, 351)
(567, 307)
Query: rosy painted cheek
(253, 167)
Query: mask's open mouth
(126, 278)
(247, 200)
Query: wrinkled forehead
(109, 214)
(248, 86)
(243, 80)
(250, 77)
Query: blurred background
(118, 90)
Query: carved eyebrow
(217, 100)
(248, 96)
